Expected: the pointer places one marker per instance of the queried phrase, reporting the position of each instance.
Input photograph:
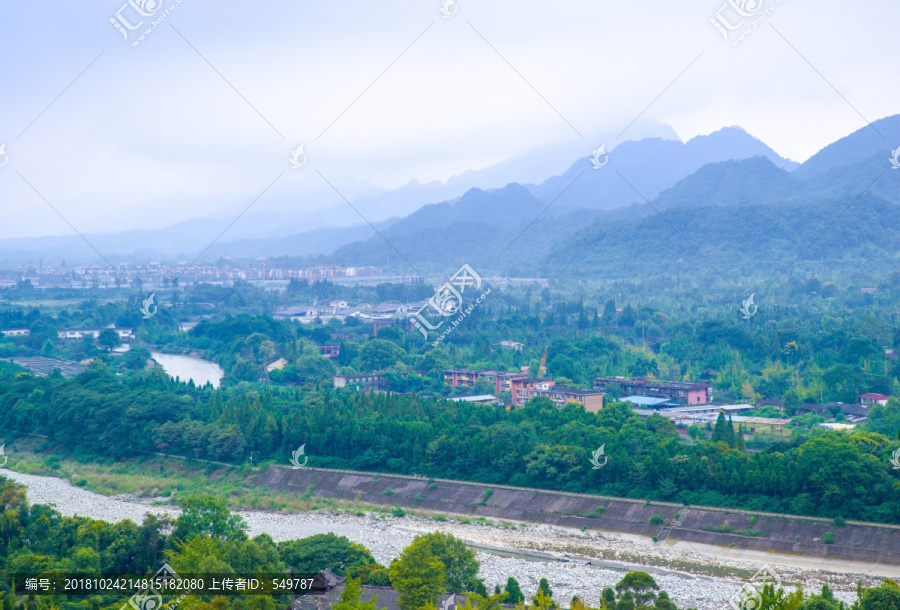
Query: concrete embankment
(735, 529)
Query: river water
(188, 367)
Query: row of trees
(829, 474)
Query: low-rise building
(682, 392)
(829, 409)
(330, 351)
(275, 364)
(512, 345)
(76, 334)
(481, 399)
(560, 395)
(467, 377)
(871, 399)
(16, 332)
(367, 383)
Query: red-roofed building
(873, 399)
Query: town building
(871, 399)
(467, 377)
(481, 399)
(275, 364)
(76, 334)
(684, 417)
(307, 314)
(330, 351)
(16, 332)
(187, 326)
(512, 345)
(853, 412)
(560, 395)
(524, 389)
(42, 367)
(680, 392)
(367, 383)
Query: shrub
(657, 520)
(398, 512)
(828, 538)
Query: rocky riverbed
(574, 562)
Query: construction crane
(543, 368)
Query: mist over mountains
(653, 206)
(722, 209)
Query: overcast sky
(152, 134)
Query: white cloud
(152, 135)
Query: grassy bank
(163, 479)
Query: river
(188, 367)
(574, 562)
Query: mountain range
(656, 204)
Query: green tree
(461, 567)
(885, 596)
(817, 602)
(543, 599)
(325, 551)
(513, 592)
(108, 339)
(791, 402)
(608, 598)
(378, 355)
(418, 576)
(350, 598)
(207, 516)
(641, 586)
(663, 602)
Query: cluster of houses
(522, 388)
(74, 334)
(327, 588)
(386, 314)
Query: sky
(199, 118)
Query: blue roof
(479, 398)
(646, 400)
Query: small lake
(188, 367)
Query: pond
(188, 367)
